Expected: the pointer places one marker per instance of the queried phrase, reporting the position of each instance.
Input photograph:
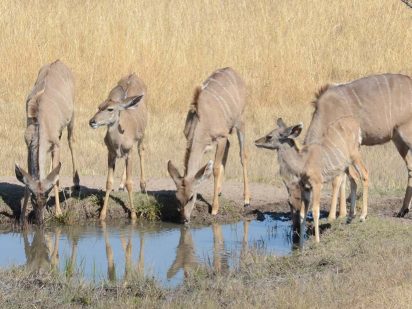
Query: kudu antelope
(217, 109)
(382, 108)
(124, 113)
(291, 179)
(49, 108)
(318, 163)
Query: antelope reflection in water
(129, 269)
(187, 260)
(42, 253)
(185, 254)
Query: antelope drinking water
(318, 163)
(49, 108)
(217, 110)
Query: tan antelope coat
(50, 108)
(317, 163)
(217, 110)
(124, 112)
(382, 107)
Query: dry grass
(284, 50)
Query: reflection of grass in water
(71, 268)
(282, 230)
(94, 271)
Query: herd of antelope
(368, 111)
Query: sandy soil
(265, 199)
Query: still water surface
(161, 250)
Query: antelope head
(109, 111)
(39, 189)
(187, 187)
(282, 134)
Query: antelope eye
(110, 109)
(268, 138)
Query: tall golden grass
(284, 50)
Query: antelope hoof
(343, 215)
(331, 218)
(121, 188)
(214, 212)
(362, 219)
(133, 215)
(402, 213)
(246, 205)
(219, 194)
(102, 216)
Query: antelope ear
(130, 102)
(51, 179)
(204, 173)
(296, 130)
(281, 123)
(22, 175)
(293, 131)
(25, 178)
(174, 173)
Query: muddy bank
(160, 204)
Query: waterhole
(167, 252)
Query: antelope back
(379, 103)
(51, 100)
(221, 102)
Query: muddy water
(167, 252)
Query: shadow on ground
(85, 205)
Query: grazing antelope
(217, 109)
(49, 108)
(382, 107)
(124, 113)
(318, 163)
